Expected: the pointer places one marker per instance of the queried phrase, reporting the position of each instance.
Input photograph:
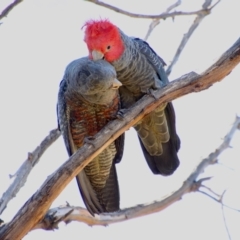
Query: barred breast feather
(85, 105)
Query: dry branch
(188, 35)
(70, 213)
(224, 217)
(155, 22)
(35, 208)
(184, 41)
(9, 8)
(23, 172)
(145, 16)
(218, 200)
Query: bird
(141, 71)
(88, 99)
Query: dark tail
(103, 200)
(168, 161)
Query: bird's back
(140, 70)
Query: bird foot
(152, 93)
(121, 113)
(89, 140)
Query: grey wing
(119, 144)
(62, 116)
(168, 161)
(87, 192)
(152, 57)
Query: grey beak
(116, 84)
(96, 55)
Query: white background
(39, 38)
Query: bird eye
(108, 47)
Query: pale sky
(39, 38)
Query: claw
(121, 113)
(89, 140)
(151, 92)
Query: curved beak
(96, 55)
(116, 84)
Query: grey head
(95, 81)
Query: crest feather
(95, 28)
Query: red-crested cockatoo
(87, 100)
(140, 70)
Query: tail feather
(88, 194)
(167, 162)
(110, 194)
(102, 200)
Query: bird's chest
(87, 119)
(136, 74)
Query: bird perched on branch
(141, 71)
(87, 100)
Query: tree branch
(23, 172)
(218, 200)
(9, 8)
(224, 217)
(191, 30)
(158, 16)
(35, 208)
(71, 213)
(155, 22)
(211, 191)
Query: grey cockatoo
(140, 70)
(87, 100)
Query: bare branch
(155, 22)
(23, 172)
(70, 213)
(151, 27)
(211, 191)
(207, 3)
(218, 200)
(191, 30)
(224, 217)
(184, 41)
(9, 8)
(171, 7)
(35, 208)
(225, 166)
(158, 16)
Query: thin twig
(224, 217)
(155, 22)
(26, 167)
(218, 200)
(151, 27)
(158, 16)
(35, 208)
(9, 8)
(174, 5)
(225, 166)
(186, 37)
(211, 191)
